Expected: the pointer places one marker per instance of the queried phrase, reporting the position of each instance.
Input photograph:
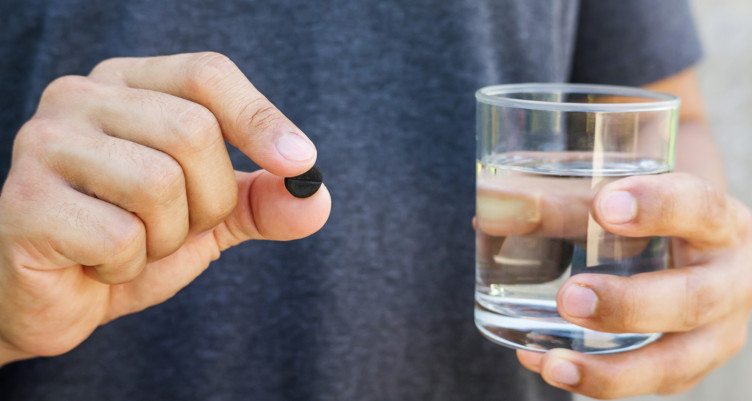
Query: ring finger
(672, 364)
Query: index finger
(540, 206)
(248, 120)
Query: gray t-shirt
(377, 305)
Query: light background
(726, 76)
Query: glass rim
(660, 100)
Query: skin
(702, 303)
(121, 192)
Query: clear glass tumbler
(543, 151)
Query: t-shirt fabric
(378, 305)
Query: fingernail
(493, 207)
(564, 372)
(293, 147)
(618, 207)
(579, 301)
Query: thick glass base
(545, 333)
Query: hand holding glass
(544, 150)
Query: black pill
(306, 184)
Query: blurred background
(725, 28)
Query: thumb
(266, 210)
(677, 205)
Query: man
(121, 192)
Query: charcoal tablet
(306, 184)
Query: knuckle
(668, 208)
(207, 70)
(630, 318)
(259, 115)
(61, 89)
(123, 237)
(35, 132)
(673, 377)
(714, 205)
(195, 129)
(110, 66)
(163, 182)
(700, 300)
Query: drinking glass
(543, 151)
